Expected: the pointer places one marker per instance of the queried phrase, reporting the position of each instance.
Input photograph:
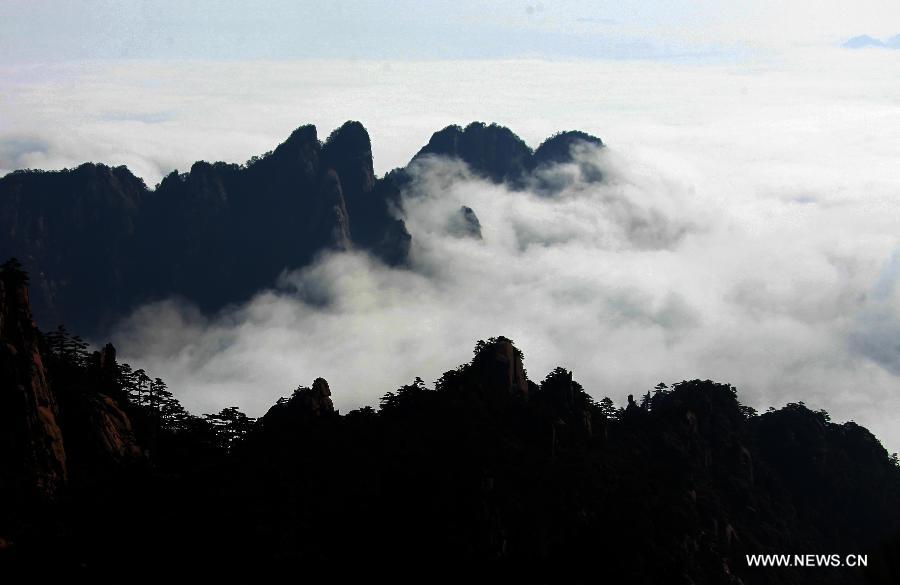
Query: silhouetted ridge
(558, 148)
(73, 231)
(103, 470)
(304, 404)
(371, 204)
(496, 153)
(490, 150)
(348, 151)
(302, 146)
(99, 243)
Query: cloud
(16, 152)
(695, 291)
(744, 230)
(549, 271)
(876, 330)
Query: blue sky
(43, 30)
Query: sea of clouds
(746, 228)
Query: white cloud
(764, 299)
(745, 233)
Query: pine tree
(608, 409)
(229, 425)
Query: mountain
(862, 42)
(98, 242)
(488, 477)
(496, 153)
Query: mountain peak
(497, 153)
(300, 139)
(196, 231)
(558, 148)
(350, 140)
(348, 150)
(862, 41)
(489, 149)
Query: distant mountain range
(97, 242)
(866, 41)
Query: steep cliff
(32, 450)
(98, 243)
(61, 430)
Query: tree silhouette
(141, 386)
(608, 408)
(229, 426)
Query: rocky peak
(301, 151)
(205, 186)
(559, 389)
(558, 148)
(118, 179)
(498, 364)
(567, 400)
(98, 243)
(348, 151)
(490, 150)
(464, 223)
(315, 401)
(306, 403)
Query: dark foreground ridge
(488, 477)
(98, 243)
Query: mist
(629, 280)
(745, 230)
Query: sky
(46, 30)
(748, 230)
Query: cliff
(32, 451)
(98, 242)
(60, 431)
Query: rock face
(222, 232)
(465, 224)
(496, 153)
(32, 451)
(303, 405)
(499, 367)
(113, 433)
(52, 431)
(98, 243)
(491, 150)
(73, 232)
(315, 401)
